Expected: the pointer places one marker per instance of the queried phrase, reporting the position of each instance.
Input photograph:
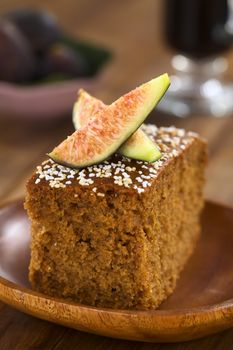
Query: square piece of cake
(117, 234)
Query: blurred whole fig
(39, 27)
(63, 60)
(17, 62)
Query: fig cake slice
(138, 146)
(108, 130)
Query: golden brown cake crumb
(117, 234)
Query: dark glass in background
(197, 27)
(199, 32)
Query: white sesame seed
(99, 194)
(145, 177)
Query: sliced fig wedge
(138, 146)
(85, 108)
(111, 127)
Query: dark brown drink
(196, 28)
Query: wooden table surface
(132, 28)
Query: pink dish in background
(40, 102)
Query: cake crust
(117, 234)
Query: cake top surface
(119, 170)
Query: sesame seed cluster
(122, 171)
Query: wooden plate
(201, 304)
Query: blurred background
(108, 47)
